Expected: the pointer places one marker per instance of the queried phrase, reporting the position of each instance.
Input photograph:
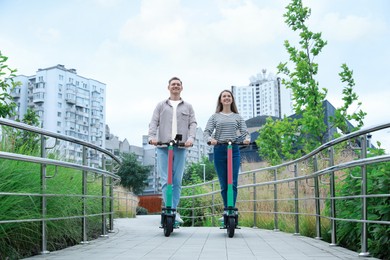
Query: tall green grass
(22, 239)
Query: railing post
(126, 201)
(111, 227)
(364, 251)
(193, 207)
(276, 221)
(43, 198)
(296, 191)
(254, 202)
(332, 201)
(84, 191)
(213, 203)
(317, 200)
(104, 197)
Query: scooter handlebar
(232, 142)
(173, 143)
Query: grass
(64, 190)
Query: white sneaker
(178, 218)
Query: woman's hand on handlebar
(153, 142)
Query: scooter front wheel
(168, 227)
(231, 226)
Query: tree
(133, 175)
(28, 139)
(7, 105)
(194, 172)
(308, 130)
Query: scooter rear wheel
(231, 226)
(168, 227)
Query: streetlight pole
(204, 171)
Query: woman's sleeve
(208, 131)
(244, 130)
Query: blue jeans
(179, 160)
(220, 163)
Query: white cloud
(48, 35)
(158, 26)
(350, 28)
(247, 24)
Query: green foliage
(18, 240)
(349, 98)
(21, 139)
(133, 174)
(308, 130)
(276, 140)
(307, 96)
(7, 105)
(195, 207)
(142, 211)
(349, 233)
(194, 175)
(194, 172)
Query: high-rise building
(263, 96)
(65, 103)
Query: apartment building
(66, 103)
(263, 96)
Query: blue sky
(136, 46)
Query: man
(172, 117)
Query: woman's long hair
(233, 106)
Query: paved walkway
(140, 238)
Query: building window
(58, 123)
(59, 105)
(61, 77)
(59, 114)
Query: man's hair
(174, 78)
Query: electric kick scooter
(230, 217)
(168, 214)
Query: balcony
(70, 99)
(15, 93)
(39, 98)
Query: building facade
(65, 103)
(263, 96)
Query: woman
(226, 124)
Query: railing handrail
(39, 160)
(38, 130)
(316, 175)
(312, 153)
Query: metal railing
(97, 167)
(305, 187)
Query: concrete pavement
(140, 238)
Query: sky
(136, 46)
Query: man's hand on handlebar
(188, 144)
(157, 143)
